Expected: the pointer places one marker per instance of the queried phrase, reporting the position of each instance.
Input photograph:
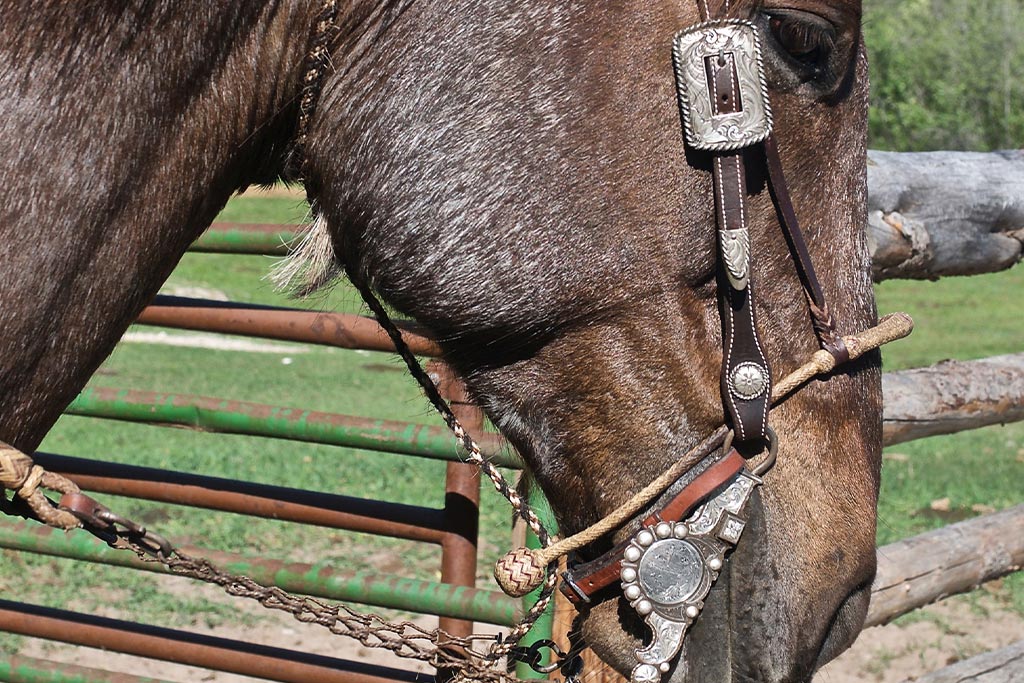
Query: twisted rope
(890, 328)
(19, 473)
(433, 394)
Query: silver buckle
(724, 132)
(668, 570)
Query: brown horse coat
(512, 175)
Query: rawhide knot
(15, 470)
(825, 328)
(518, 572)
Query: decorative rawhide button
(518, 572)
(668, 570)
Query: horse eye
(804, 40)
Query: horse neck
(136, 125)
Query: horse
(513, 177)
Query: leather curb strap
(582, 581)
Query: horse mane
(311, 262)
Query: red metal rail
(246, 498)
(311, 327)
(182, 647)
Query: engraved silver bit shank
(704, 129)
(669, 568)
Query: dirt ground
(939, 635)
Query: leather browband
(584, 580)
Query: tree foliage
(946, 74)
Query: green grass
(963, 319)
(960, 318)
(257, 209)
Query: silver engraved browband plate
(669, 568)
(730, 38)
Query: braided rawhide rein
(518, 572)
(19, 473)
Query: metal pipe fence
(183, 647)
(453, 527)
(280, 422)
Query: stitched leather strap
(821, 317)
(746, 377)
(582, 581)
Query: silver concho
(668, 570)
(748, 381)
(704, 129)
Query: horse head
(513, 176)
(516, 180)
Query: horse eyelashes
(805, 41)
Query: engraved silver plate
(723, 132)
(671, 571)
(668, 570)
(735, 246)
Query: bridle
(725, 113)
(667, 567)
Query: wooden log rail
(957, 558)
(944, 213)
(952, 396)
(1001, 666)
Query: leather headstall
(666, 568)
